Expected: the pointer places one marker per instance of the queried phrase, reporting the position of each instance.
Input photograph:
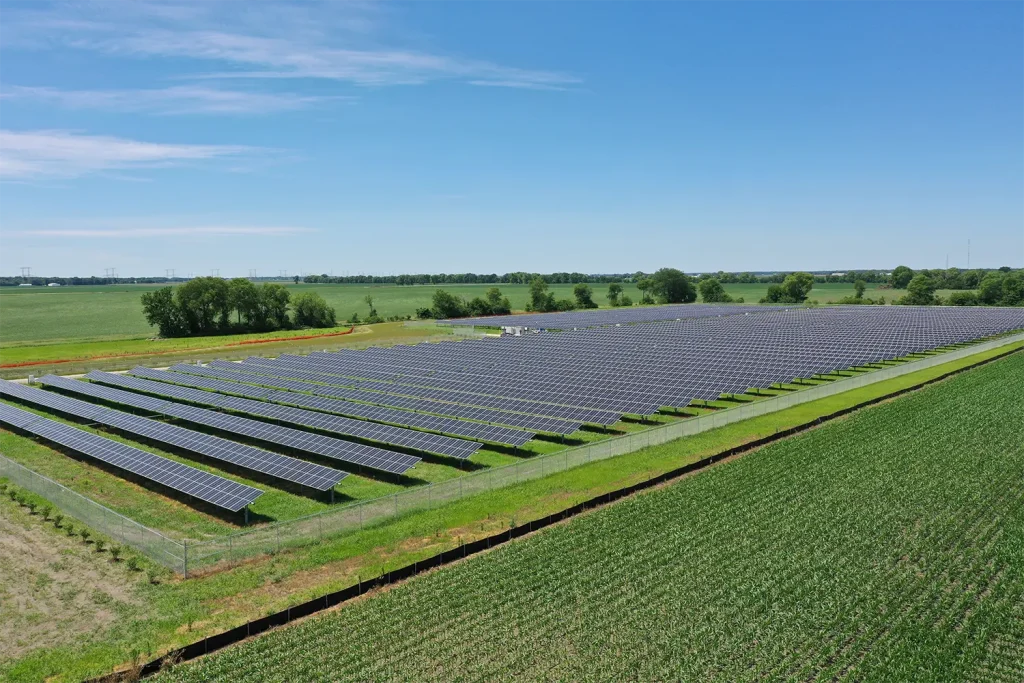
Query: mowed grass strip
(885, 547)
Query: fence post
(184, 546)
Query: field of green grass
(33, 316)
(183, 611)
(886, 546)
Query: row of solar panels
(210, 488)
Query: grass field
(39, 315)
(183, 611)
(888, 546)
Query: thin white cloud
(333, 40)
(183, 99)
(26, 155)
(179, 231)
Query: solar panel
(204, 486)
(371, 431)
(240, 455)
(484, 432)
(337, 449)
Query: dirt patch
(53, 589)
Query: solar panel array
(326, 446)
(387, 434)
(204, 486)
(240, 455)
(639, 369)
(286, 367)
(458, 427)
(609, 316)
(396, 436)
(186, 375)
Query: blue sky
(490, 137)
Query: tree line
(212, 305)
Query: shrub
(132, 563)
(624, 300)
(57, 519)
(99, 543)
(115, 552)
(85, 534)
(45, 512)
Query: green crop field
(886, 546)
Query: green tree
(797, 286)
(712, 291)
(273, 306)
(584, 295)
(625, 300)
(858, 287)
(296, 279)
(1013, 288)
(244, 298)
(645, 284)
(499, 305)
(162, 311)
(673, 286)
(990, 291)
(541, 300)
(446, 305)
(962, 298)
(920, 291)
(204, 304)
(310, 310)
(900, 277)
(614, 291)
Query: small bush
(45, 511)
(31, 505)
(57, 519)
(625, 300)
(115, 552)
(70, 529)
(85, 534)
(99, 543)
(132, 563)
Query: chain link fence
(152, 544)
(279, 536)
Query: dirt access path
(53, 588)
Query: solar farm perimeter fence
(186, 556)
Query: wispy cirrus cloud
(182, 99)
(175, 231)
(27, 155)
(330, 40)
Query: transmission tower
(26, 272)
